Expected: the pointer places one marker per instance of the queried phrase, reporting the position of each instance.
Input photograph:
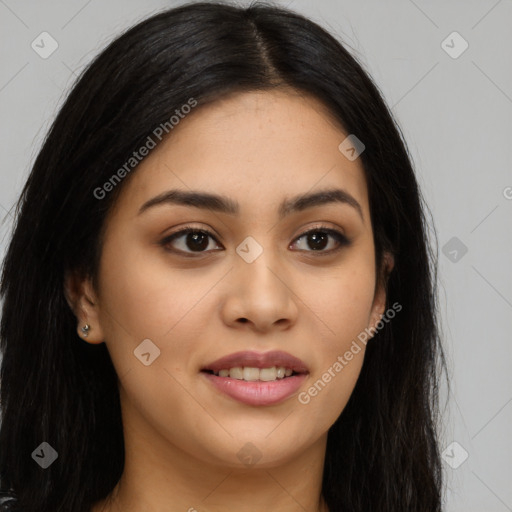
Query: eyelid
(341, 238)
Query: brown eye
(318, 239)
(191, 240)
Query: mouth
(251, 373)
(257, 378)
(252, 366)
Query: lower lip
(257, 392)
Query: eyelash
(342, 240)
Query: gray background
(455, 114)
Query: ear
(379, 300)
(82, 300)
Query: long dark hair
(382, 451)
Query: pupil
(316, 239)
(195, 237)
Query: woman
(219, 293)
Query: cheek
(343, 307)
(328, 392)
(342, 301)
(340, 357)
(141, 298)
(144, 292)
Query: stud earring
(85, 330)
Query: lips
(257, 379)
(260, 360)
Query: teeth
(236, 373)
(250, 374)
(267, 374)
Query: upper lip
(258, 360)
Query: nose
(260, 296)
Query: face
(253, 277)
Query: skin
(181, 434)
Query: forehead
(256, 147)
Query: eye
(195, 240)
(318, 239)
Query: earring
(85, 330)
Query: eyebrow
(227, 205)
